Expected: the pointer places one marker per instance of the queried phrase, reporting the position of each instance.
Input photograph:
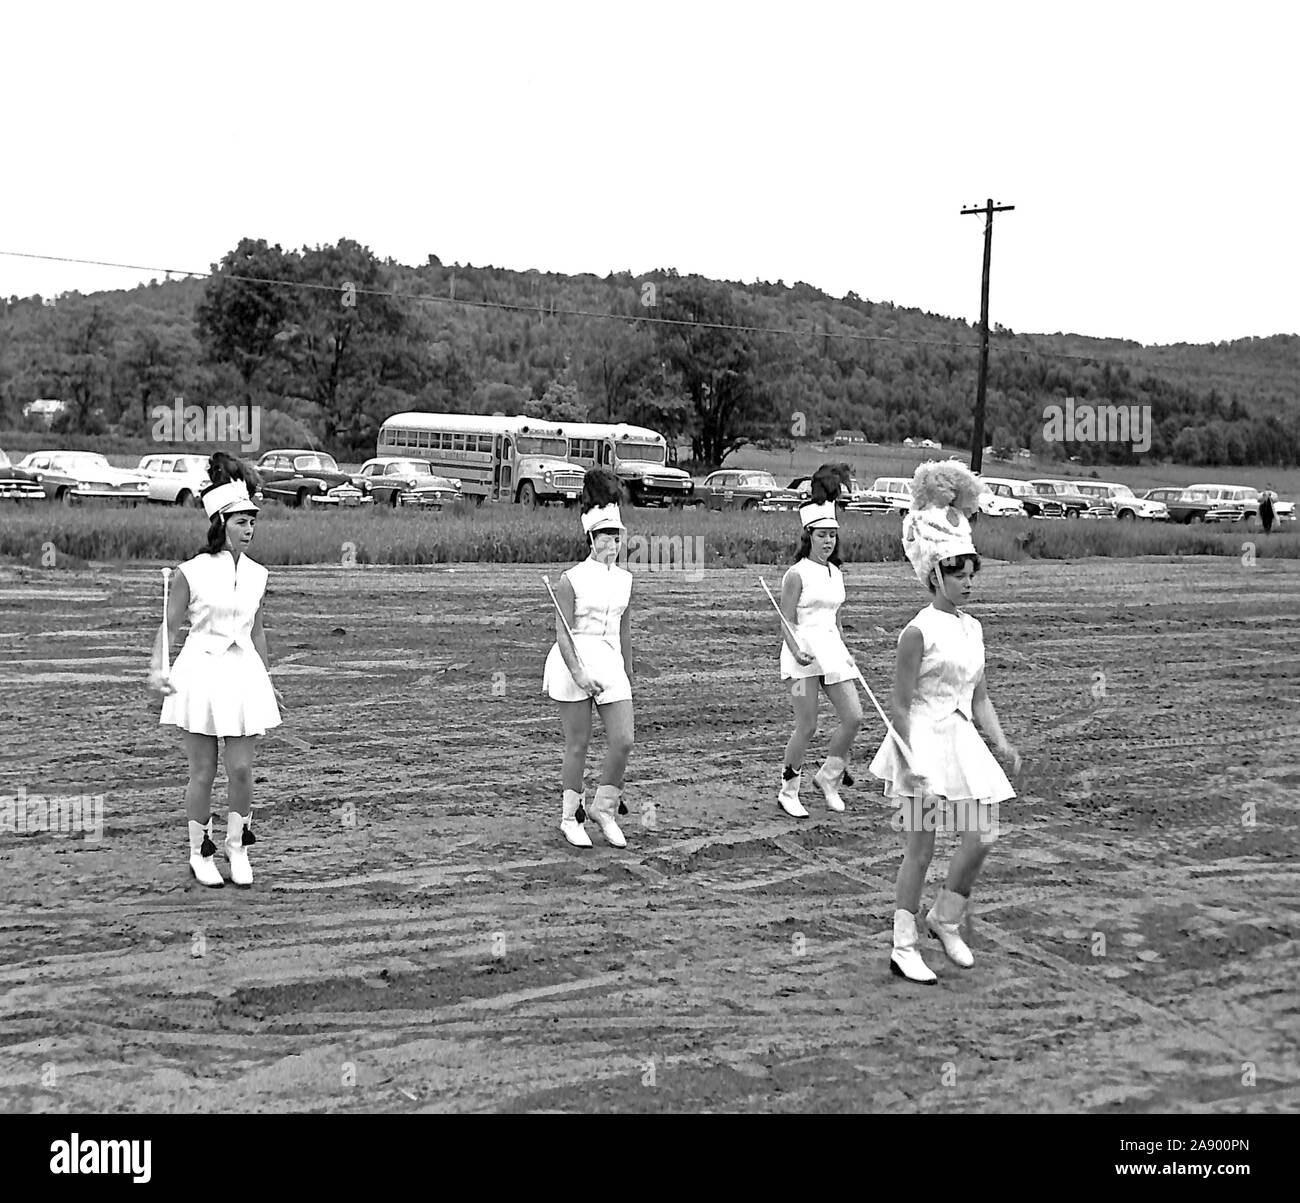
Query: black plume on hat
(826, 482)
(223, 468)
(600, 487)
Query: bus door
(502, 474)
(607, 453)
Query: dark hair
(222, 470)
(805, 548)
(954, 564)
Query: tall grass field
(47, 535)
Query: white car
(1121, 501)
(997, 506)
(1246, 499)
(175, 479)
(72, 476)
(897, 490)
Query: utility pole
(977, 438)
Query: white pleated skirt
(603, 662)
(955, 762)
(226, 695)
(833, 662)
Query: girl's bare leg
(848, 708)
(238, 758)
(575, 721)
(620, 735)
(976, 843)
(201, 752)
(918, 828)
(804, 695)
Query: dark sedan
(1187, 505)
(740, 489)
(18, 484)
(308, 478)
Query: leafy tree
(246, 307)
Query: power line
(505, 306)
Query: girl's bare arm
(625, 640)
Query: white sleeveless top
(951, 663)
(601, 596)
(224, 600)
(820, 596)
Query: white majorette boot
(603, 808)
(202, 850)
(905, 960)
(944, 921)
(571, 820)
(237, 835)
(788, 798)
(828, 779)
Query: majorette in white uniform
(821, 594)
(601, 596)
(221, 685)
(946, 746)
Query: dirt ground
(420, 938)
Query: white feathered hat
(936, 527)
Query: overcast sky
(1149, 148)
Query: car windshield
(4, 460)
(315, 463)
(759, 480)
(1120, 491)
(191, 463)
(410, 467)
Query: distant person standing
(1266, 512)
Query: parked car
(1000, 505)
(1123, 502)
(307, 478)
(1074, 503)
(1035, 504)
(1247, 499)
(72, 476)
(1188, 505)
(896, 490)
(18, 484)
(176, 479)
(745, 489)
(409, 482)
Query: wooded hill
(330, 340)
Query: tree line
(331, 340)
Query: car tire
(394, 500)
(1126, 516)
(1072, 513)
(1197, 518)
(750, 504)
(528, 495)
(185, 497)
(64, 497)
(304, 500)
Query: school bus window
(422, 439)
(458, 442)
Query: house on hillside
(849, 436)
(44, 408)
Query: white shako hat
(933, 534)
(601, 518)
(819, 516)
(230, 498)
